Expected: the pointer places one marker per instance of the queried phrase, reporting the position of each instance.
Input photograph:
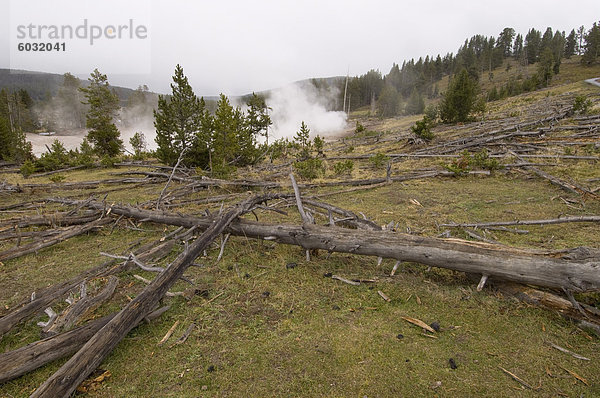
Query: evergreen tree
(518, 47)
(68, 111)
(104, 104)
(232, 142)
(415, 104)
(570, 44)
(505, 41)
(592, 45)
(179, 124)
(533, 41)
(389, 101)
(14, 117)
(258, 118)
(546, 67)
(459, 101)
(302, 140)
(580, 37)
(558, 50)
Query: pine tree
(104, 104)
(533, 41)
(388, 102)
(546, 67)
(459, 101)
(592, 45)
(231, 142)
(14, 117)
(179, 124)
(302, 140)
(415, 104)
(571, 44)
(258, 119)
(505, 41)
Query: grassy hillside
(267, 321)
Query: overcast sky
(242, 46)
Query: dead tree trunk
(69, 233)
(23, 360)
(26, 359)
(576, 270)
(43, 298)
(73, 372)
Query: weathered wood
(47, 173)
(550, 301)
(54, 219)
(43, 243)
(73, 313)
(575, 269)
(44, 297)
(75, 370)
(25, 359)
(485, 225)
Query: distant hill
(40, 85)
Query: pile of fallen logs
(573, 270)
(517, 272)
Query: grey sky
(237, 47)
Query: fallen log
(64, 381)
(55, 219)
(586, 316)
(484, 225)
(574, 269)
(44, 297)
(43, 243)
(72, 314)
(23, 360)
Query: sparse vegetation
(265, 320)
(582, 104)
(343, 167)
(379, 161)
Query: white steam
(303, 102)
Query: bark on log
(26, 359)
(72, 314)
(576, 269)
(56, 219)
(69, 233)
(550, 301)
(75, 370)
(562, 220)
(45, 297)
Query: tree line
(404, 88)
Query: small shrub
(582, 104)
(319, 143)
(310, 168)
(482, 160)
(359, 128)
(349, 149)
(343, 167)
(460, 165)
(56, 178)
(379, 161)
(422, 129)
(223, 171)
(108, 161)
(27, 169)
